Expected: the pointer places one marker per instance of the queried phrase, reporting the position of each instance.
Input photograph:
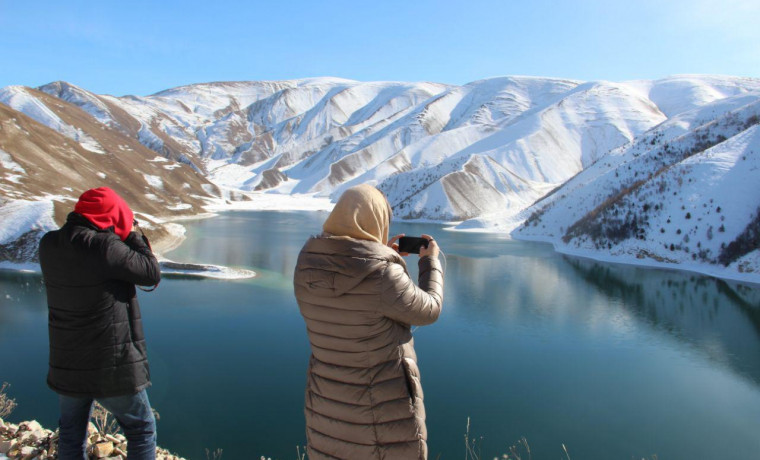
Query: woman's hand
(432, 249)
(393, 245)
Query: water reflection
(720, 319)
(230, 240)
(21, 294)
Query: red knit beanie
(105, 208)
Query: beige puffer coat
(363, 392)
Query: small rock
(27, 452)
(34, 425)
(117, 452)
(91, 429)
(6, 445)
(113, 439)
(29, 437)
(103, 449)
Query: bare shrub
(103, 420)
(7, 405)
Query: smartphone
(412, 244)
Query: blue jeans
(133, 413)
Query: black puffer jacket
(97, 345)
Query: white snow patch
(7, 162)
(179, 207)
(89, 143)
(154, 181)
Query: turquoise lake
(614, 362)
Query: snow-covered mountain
(480, 153)
(511, 139)
(686, 193)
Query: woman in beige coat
(363, 392)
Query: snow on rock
(6, 161)
(15, 173)
(22, 224)
(86, 100)
(18, 217)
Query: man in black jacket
(97, 347)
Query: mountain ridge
(480, 154)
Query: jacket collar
(78, 220)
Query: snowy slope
(691, 199)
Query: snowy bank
(271, 201)
(717, 271)
(184, 270)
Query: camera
(412, 244)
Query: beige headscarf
(362, 212)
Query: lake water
(614, 362)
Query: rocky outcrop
(30, 441)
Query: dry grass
(518, 451)
(216, 454)
(103, 420)
(7, 405)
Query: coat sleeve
(132, 261)
(403, 301)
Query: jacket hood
(104, 208)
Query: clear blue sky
(141, 47)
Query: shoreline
(264, 201)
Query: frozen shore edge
(713, 271)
